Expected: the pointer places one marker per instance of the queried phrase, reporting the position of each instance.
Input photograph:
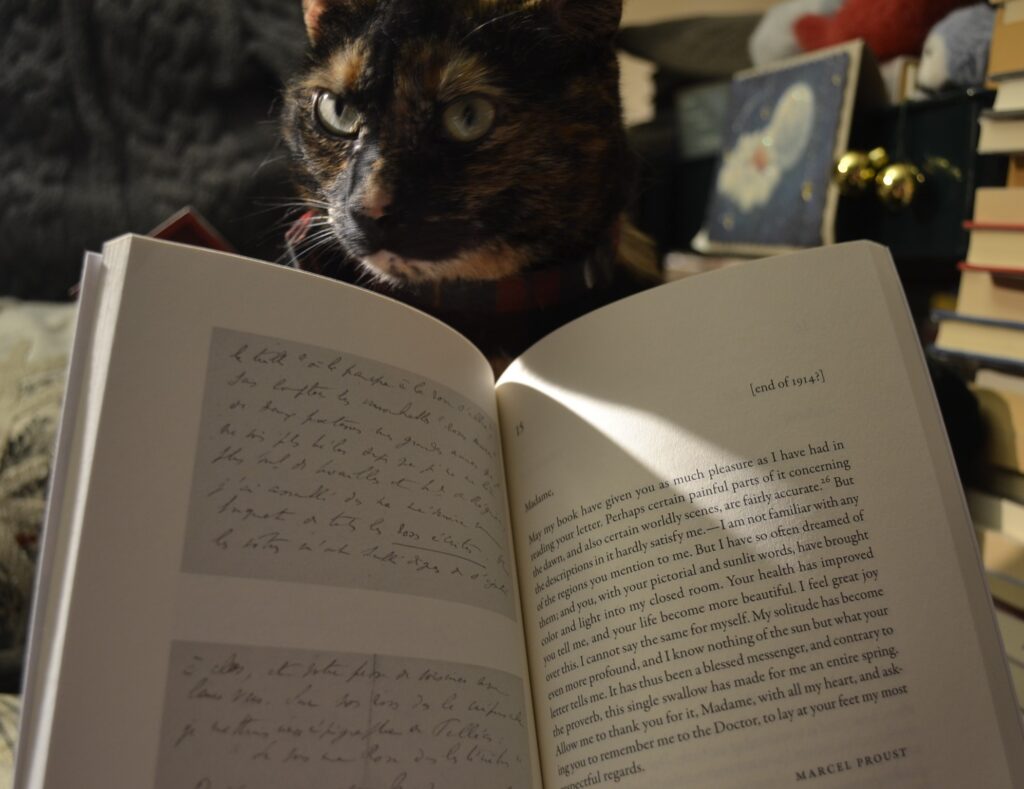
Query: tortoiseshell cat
(443, 140)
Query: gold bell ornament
(856, 171)
(898, 184)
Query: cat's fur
(545, 185)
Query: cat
(455, 141)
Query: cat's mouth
(486, 262)
(393, 249)
(424, 251)
(393, 267)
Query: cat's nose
(372, 224)
(376, 210)
(376, 202)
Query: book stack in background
(996, 495)
(1002, 127)
(986, 332)
(987, 327)
(997, 509)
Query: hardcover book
(991, 342)
(708, 536)
(1006, 55)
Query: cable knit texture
(119, 112)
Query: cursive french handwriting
(322, 467)
(269, 718)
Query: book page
(295, 564)
(744, 553)
(321, 467)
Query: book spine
(949, 315)
(1003, 269)
(1002, 227)
(977, 359)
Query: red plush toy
(890, 27)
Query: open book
(708, 536)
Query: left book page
(288, 559)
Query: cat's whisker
(268, 160)
(484, 25)
(306, 202)
(317, 239)
(292, 209)
(309, 249)
(261, 210)
(380, 280)
(320, 226)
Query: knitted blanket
(35, 339)
(116, 113)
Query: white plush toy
(773, 39)
(956, 51)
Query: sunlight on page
(647, 438)
(727, 513)
(689, 553)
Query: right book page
(744, 554)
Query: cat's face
(460, 138)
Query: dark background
(117, 113)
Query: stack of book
(987, 326)
(987, 330)
(997, 509)
(1002, 127)
(996, 500)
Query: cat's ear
(587, 18)
(313, 11)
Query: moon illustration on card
(753, 168)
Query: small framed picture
(786, 126)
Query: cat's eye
(468, 118)
(335, 116)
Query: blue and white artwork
(779, 149)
